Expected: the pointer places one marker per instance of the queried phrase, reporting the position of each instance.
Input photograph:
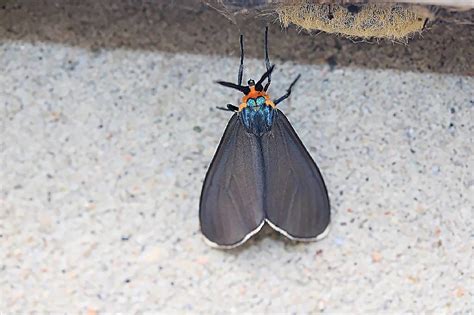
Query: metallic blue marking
(268, 113)
(260, 101)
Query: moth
(261, 172)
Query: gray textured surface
(108, 126)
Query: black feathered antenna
(241, 67)
(267, 60)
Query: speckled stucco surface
(108, 125)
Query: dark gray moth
(261, 172)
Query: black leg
(267, 60)
(258, 85)
(288, 92)
(243, 89)
(241, 67)
(229, 108)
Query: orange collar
(254, 94)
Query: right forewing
(296, 199)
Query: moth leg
(229, 108)
(288, 92)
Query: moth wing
(231, 206)
(297, 202)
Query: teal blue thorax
(257, 116)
